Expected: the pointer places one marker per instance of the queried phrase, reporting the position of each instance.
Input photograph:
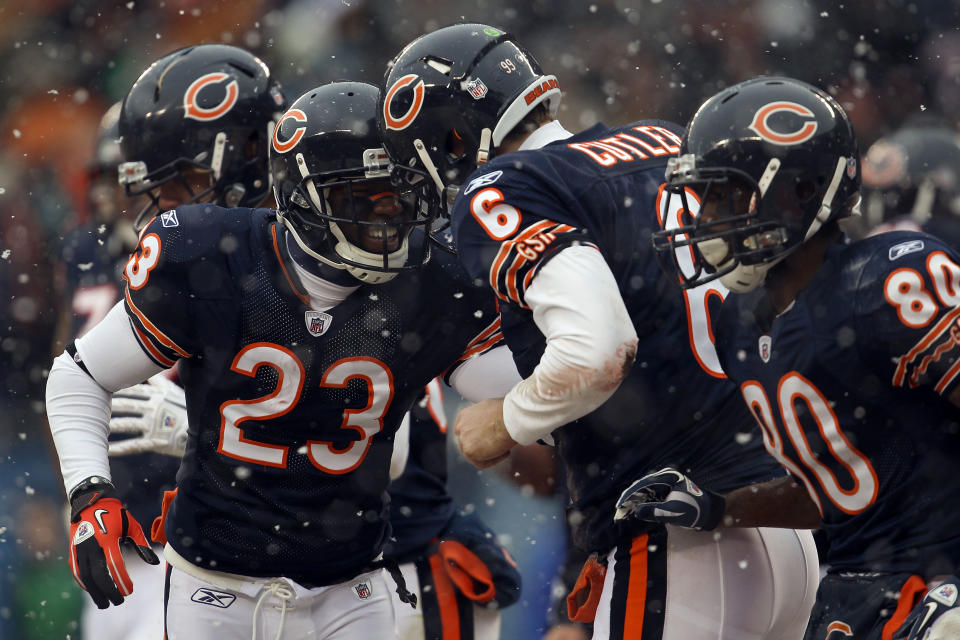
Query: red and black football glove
(98, 526)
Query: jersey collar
(550, 132)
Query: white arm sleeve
(591, 344)
(78, 405)
(490, 375)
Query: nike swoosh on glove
(669, 497)
(99, 524)
(155, 412)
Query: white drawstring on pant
(281, 591)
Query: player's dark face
(725, 200)
(374, 205)
(191, 182)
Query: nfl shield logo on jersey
(764, 347)
(317, 322)
(363, 590)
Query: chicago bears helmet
(106, 150)
(105, 198)
(453, 95)
(209, 109)
(777, 158)
(336, 190)
(913, 172)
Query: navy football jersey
(602, 188)
(420, 506)
(849, 385)
(292, 411)
(94, 258)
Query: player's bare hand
(483, 438)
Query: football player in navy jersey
(93, 256)
(846, 354)
(559, 226)
(297, 370)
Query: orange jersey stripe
(481, 348)
(304, 298)
(518, 262)
(160, 336)
(507, 247)
(637, 589)
(148, 345)
(446, 599)
(487, 331)
(931, 335)
(910, 593)
(948, 377)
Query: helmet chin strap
(372, 275)
(744, 278)
(216, 158)
(431, 168)
(825, 206)
(483, 152)
(741, 278)
(292, 229)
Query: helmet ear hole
(455, 145)
(805, 190)
(254, 147)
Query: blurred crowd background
(63, 62)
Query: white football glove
(155, 412)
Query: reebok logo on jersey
(363, 590)
(904, 248)
(169, 219)
(213, 598)
(317, 322)
(482, 181)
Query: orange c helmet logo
(193, 110)
(286, 145)
(406, 119)
(804, 133)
